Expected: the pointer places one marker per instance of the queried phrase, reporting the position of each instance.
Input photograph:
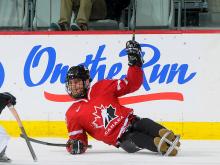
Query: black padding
(144, 141)
(147, 126)
(3, 102)
(133, 49)
(128, 145)
(5, 99)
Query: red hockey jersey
(101, 115)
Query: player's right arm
(134, 78)
(78, 140)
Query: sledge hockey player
(6, 99)
(97, 111)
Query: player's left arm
(78, 140)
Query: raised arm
(134, 77)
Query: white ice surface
(191, 153)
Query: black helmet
(78, 72)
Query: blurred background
(37, 15)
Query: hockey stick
(47, 143)
(15, 114)
(134, 23)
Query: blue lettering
(165, 73)
(114, 70)
(182, 70)
(97, 64)
(2, 75)
(61, 71)
(99, 70)
(169, 72)
(161, 75)
(94, 68)
(152, 61)
(33, 61)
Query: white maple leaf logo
(103, 116)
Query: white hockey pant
(4, 138)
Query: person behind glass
(87, 10)
(84, 10)
(6, 99)
(106, 119)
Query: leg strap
(173, 144)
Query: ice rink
(192, 152)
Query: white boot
(5, 159)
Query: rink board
(187, 130)
(180, 85)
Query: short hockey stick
(134, 23)
(15, 114)
(47, 143)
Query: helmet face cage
(77, 72)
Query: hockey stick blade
(47, 143)
(28, 144)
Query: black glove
(6, 99)
(133, 49)
(75, 147)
